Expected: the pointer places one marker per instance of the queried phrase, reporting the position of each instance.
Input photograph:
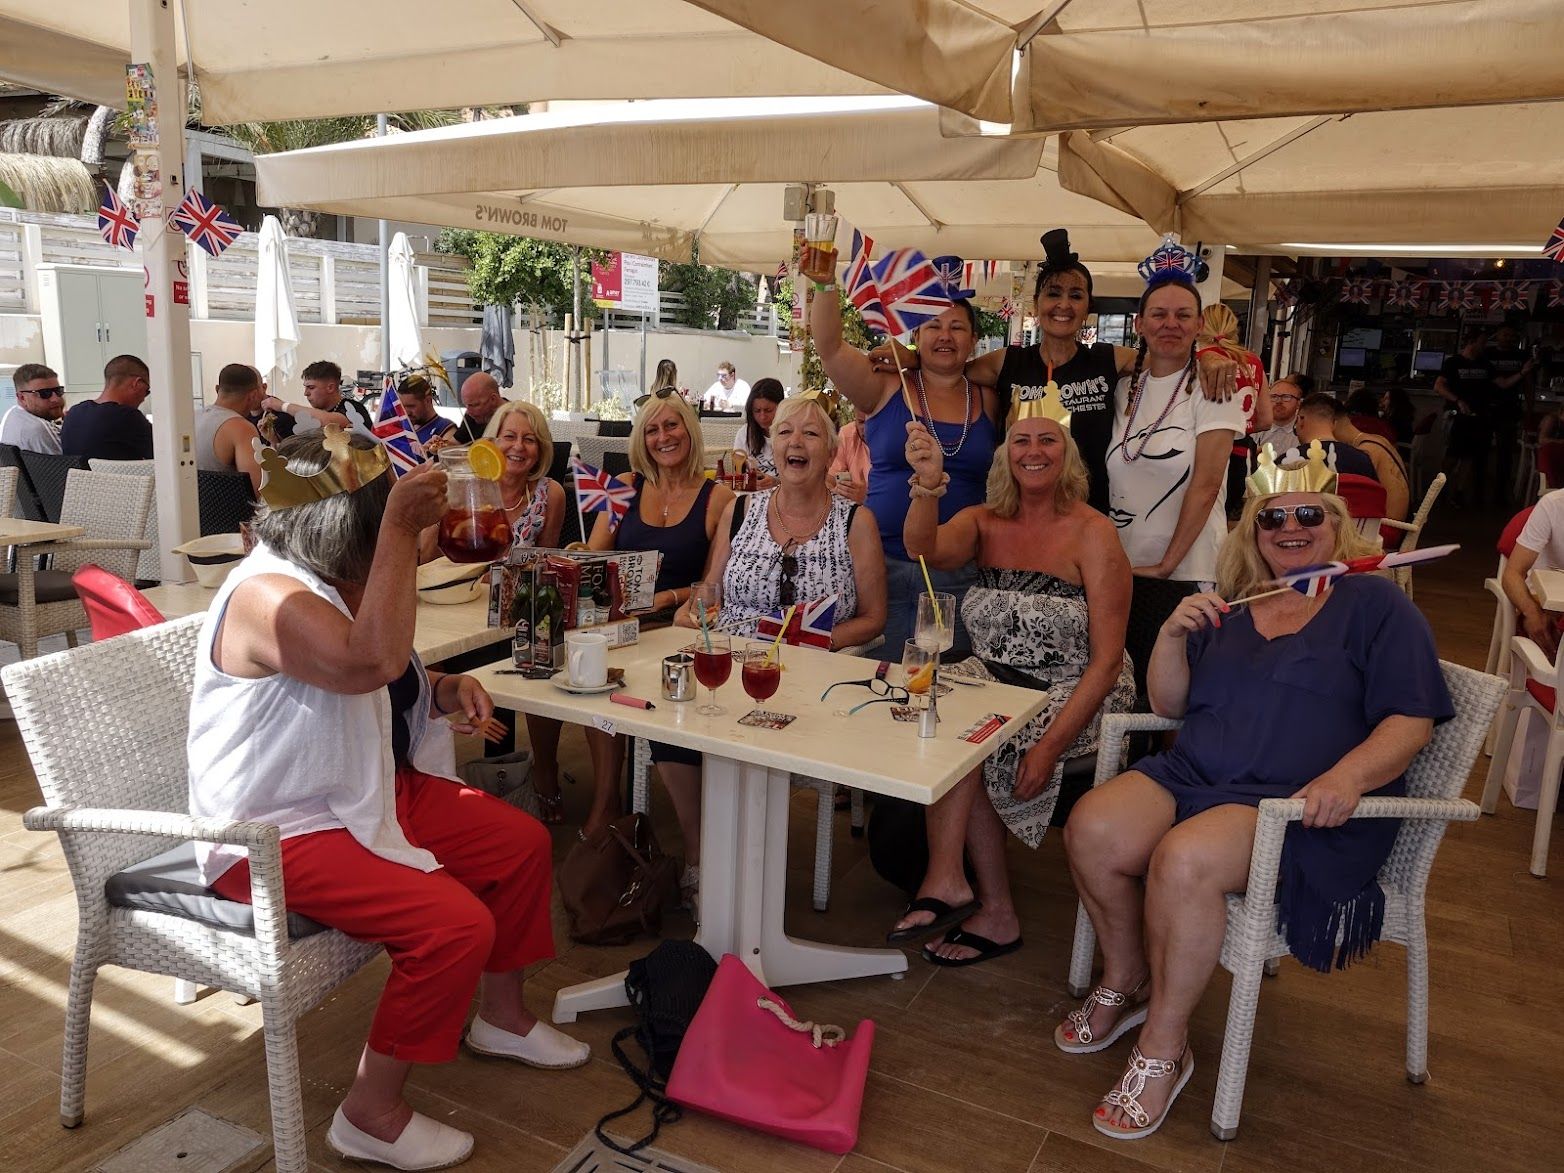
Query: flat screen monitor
(1351, 356)
(1365, 337)
(1430, 361)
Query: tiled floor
(964, 1076)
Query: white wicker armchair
(105, 727)
(113, 510)
(1253, 946)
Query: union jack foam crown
(1312, 580)
(396, 432)
(1553, 247)
(956, 274)
(116, 223)
(911, 290)
(1167, 261)
(597, 492)
(811, 625)
(205, 223)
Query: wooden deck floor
(964, 1076)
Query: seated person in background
(1047, 612)
(1354, 675)
(481, 398)
(1397, 410)
(752, 440)
(1539, 547)
(326, 403)
(416, 394)
(34, 423)
(224, 435)
(378, 842)
(850, 465)
(1317, 421)
(111, 427)
(1389, 470)
(1363, 410)
(1285, 395)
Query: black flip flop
(987, 949)
(945, 916)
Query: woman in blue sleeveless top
(939, 395)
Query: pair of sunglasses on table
(885, 692)
(1308, 516)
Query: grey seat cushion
(171, 883)
(49, 586)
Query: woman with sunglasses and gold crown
(1324, 693)
(1047, 612)
(312, 712)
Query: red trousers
(485, 911)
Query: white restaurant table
(439, 632)
(746, 782)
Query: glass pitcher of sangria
(474, 528)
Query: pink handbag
(746, 1059)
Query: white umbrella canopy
(1046, 65)
(407, 339)
(303, 59)
(276, 319)
(657, 177)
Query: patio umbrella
(276, 320)
(407, 339)
(497, 345)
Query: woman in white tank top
(312, 712)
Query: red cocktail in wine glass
(761, 671)
(713, 665)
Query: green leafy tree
(719, 297)
(518, 270)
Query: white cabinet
(90, 314)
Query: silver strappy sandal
(1126, 1097)
(1084, 1042)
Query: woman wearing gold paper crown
(1047, 612)
(312, 712)
(1324, 698)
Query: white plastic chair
(105, 727)
(1253, 945)
(1503, 630)
(1413, 530)
(1533, 688)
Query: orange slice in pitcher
(919, 682)
(487, 461)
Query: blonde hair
(539, 424)
(1004, 495)
(1240, 567)
(797, 405)
(641, 461)
(1219, 330)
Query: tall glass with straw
(935, 631)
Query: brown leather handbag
(616, 883)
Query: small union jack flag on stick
(810, 626)
(911, 290)
(117, 224)
(1553, 247)
(1312, 581)
(597, 492)
(205, 223)
(396, 432)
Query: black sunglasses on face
(45, 392)
(1308, 516)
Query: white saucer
(564, 685)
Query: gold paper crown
(1270, 478)
(350, 468)
(1048, 406)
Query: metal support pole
(385, 274)
(1259, 301)
(162, 252)
(577, 368)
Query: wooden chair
(1413, 530)
(1252, 945)
(105, 728)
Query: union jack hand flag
(396, 432)
(1553, 247)
(117, 224)
(811, 625)
(1311, 581)
(859, 282)
(205, 223)
(911, 290)
(597, 492)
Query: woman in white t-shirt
(1167, 462)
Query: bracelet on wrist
(917, 489)
(825, 287)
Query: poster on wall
(146, 164)
(638, 283)
(796, 333)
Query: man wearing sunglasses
(34, 423)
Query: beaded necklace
(928, 415)
(1136, 395)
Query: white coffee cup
(586, 659)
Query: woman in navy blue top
(1326, 699)
(960, 412)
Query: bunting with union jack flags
(810, 627)
(597, 492)
(1513, 295)
(1403, 295)
(911, 290)
(394, 430)
(1553, 247)
(1357, 291)
(1556, 295)
(205, 223)
(116, 223)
